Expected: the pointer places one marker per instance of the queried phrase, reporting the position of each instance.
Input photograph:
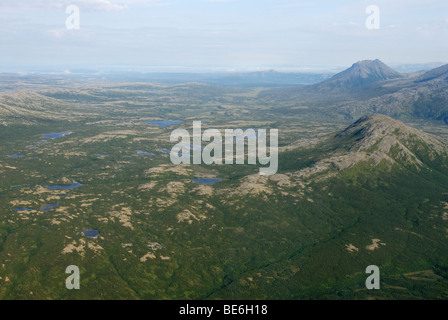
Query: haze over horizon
(219, 35)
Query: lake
(91, 233)
(142, 153)
(206, 181)
(22, 209)
(164, 123)
(48, 207)
(56, 135)
(65, 187)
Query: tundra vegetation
(104, 195)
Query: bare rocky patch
(375, 244)
(188, 217)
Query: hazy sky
(219, 34)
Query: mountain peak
(369, 62)
(377, 65)
(366, 71)
(360, 73)
(377, 118)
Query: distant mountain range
(368, 86)
(416, 67)
(268, 78)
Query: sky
(219, 35)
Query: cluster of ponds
(50, 206)
(45, 136)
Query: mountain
(360, 80)
(368, 87)
(421, 97)
(382, 137)
(359, 74)
(376, 139)
(375, 129)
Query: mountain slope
(376, 194)
(440, 73)
(380, 133)
(373, 140)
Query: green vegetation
(164, 237)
